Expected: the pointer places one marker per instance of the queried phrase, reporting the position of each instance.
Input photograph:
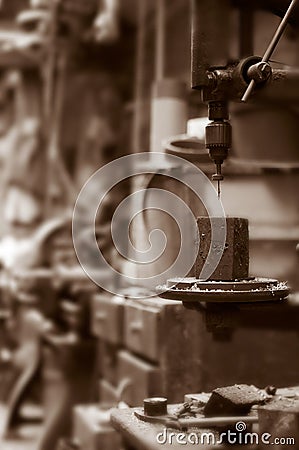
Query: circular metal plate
(249, 290)
(139, 413)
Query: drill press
(219, 82)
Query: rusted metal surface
(234, 262)
(234, 400)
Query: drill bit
(218, 177)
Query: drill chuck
(218, 140)
(218, 137)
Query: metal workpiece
(234, 400)
(233, 252)
(229, 283)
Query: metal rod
(279, 32)
(274, 41)
(207, 422)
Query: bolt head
(155, 406)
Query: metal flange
(247, 290)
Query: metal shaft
(207, 422)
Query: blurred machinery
(47, 314)
(85, 334)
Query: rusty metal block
(234, 263)
(144, 379)
(280, 419)
(107, 318)
(233, 400)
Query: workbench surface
(141, 435)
